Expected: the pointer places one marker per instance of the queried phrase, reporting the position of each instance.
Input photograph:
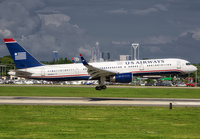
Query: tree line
(59, 61)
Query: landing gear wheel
(98, 88)
(103, 87)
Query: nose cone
(194, 68)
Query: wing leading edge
(96, 72)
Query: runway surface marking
(92, 101)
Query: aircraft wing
(96, 72)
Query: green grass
(91, 92)
(35, 121)
(98, 122)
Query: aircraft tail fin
(21, 57)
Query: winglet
(72, 60)
(83, 60)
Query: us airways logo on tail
(20, 56)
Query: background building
(55, 55)
(95, 53)
(106, 56)
(125, 57)
(98, 56)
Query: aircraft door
(42, 71)
(178, 64)
(141, 66)
(76, 71)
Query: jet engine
(121, 78)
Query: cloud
(121, 43)
(86, 50)
(15, 17)
(118, 11)
(144, 12)
(161, 7)
(158, 40)
(155, 8)
(5, 33)
(43, 26)
(186, 46)
(55, 19)
(155, 49)
(63, 37)
(195, 33)
(42, 32)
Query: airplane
(116, 71)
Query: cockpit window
(188, 64)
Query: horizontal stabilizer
(19, 73)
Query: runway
(93, 101)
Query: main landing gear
(100, 87)
(101, 82)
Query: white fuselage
(136, 67)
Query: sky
(164, 29)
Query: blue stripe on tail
(21, 57)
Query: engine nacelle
(121, 78)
